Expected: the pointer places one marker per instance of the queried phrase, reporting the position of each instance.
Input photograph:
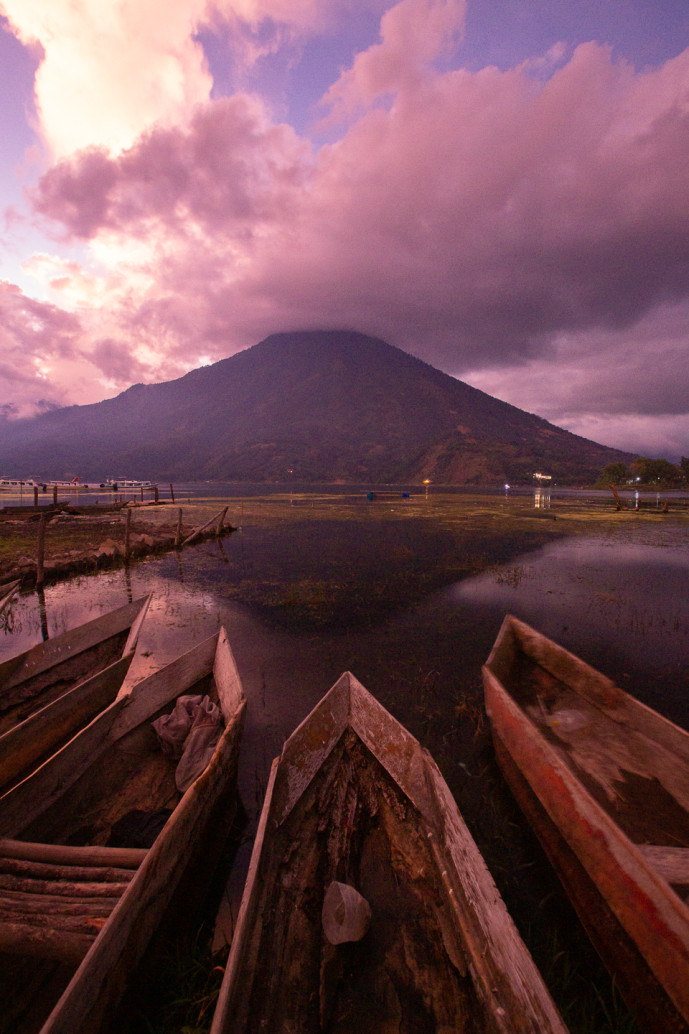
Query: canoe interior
(626, 757)
(132, 775)
(27, 697)
(408, 974)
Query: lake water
(618, 599)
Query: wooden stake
(40, 551)
(155, 492)
(178, 536)
(218, 517)
(127, 533)
(54, 495)
(172, 493)
(35, 498)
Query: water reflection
(621, 606)
(541, 499)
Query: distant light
(506, 487)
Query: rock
(109, 548)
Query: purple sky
(497, 186)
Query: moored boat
(367, 905)
(78, 904)
(53, 689)
(604, 781)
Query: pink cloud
(486, 219)
(414, 34)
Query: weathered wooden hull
(604, 781)
(354, 798)
(54, 689)
(92, 955)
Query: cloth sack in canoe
(191, 733)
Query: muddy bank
(78, 541)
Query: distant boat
(124, 483)
(8, 484)
(604, 781)
(367, 905)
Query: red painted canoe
(604, 782)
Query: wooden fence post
(172, 493)
(35, 498)
(54, 495)
(155, 493)
(40, 551)
(127, 532)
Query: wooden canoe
(76, 912)
(54, 689)
(353, 799)
(6, 593)
(604, 781)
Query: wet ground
(409, 595)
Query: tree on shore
(652, 472)
(613, 474)
(645, 471)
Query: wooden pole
(218, 517)
(178, 536)
(221, 519)
(172, 493)
(55, 495)
(127, 533)
(155, 492)
(142, 494)
(40, 551)
(35, 498)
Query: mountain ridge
(321, 405)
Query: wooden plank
(73, 888)
(39, 658)
(45, 904)
(54, 871)
(672, 863)
(43, 943)
(149, 695)
(29, 798)
(64, 854)
(227, 681)
(40, 735)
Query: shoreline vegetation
(425, 545)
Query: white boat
(120, 483)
